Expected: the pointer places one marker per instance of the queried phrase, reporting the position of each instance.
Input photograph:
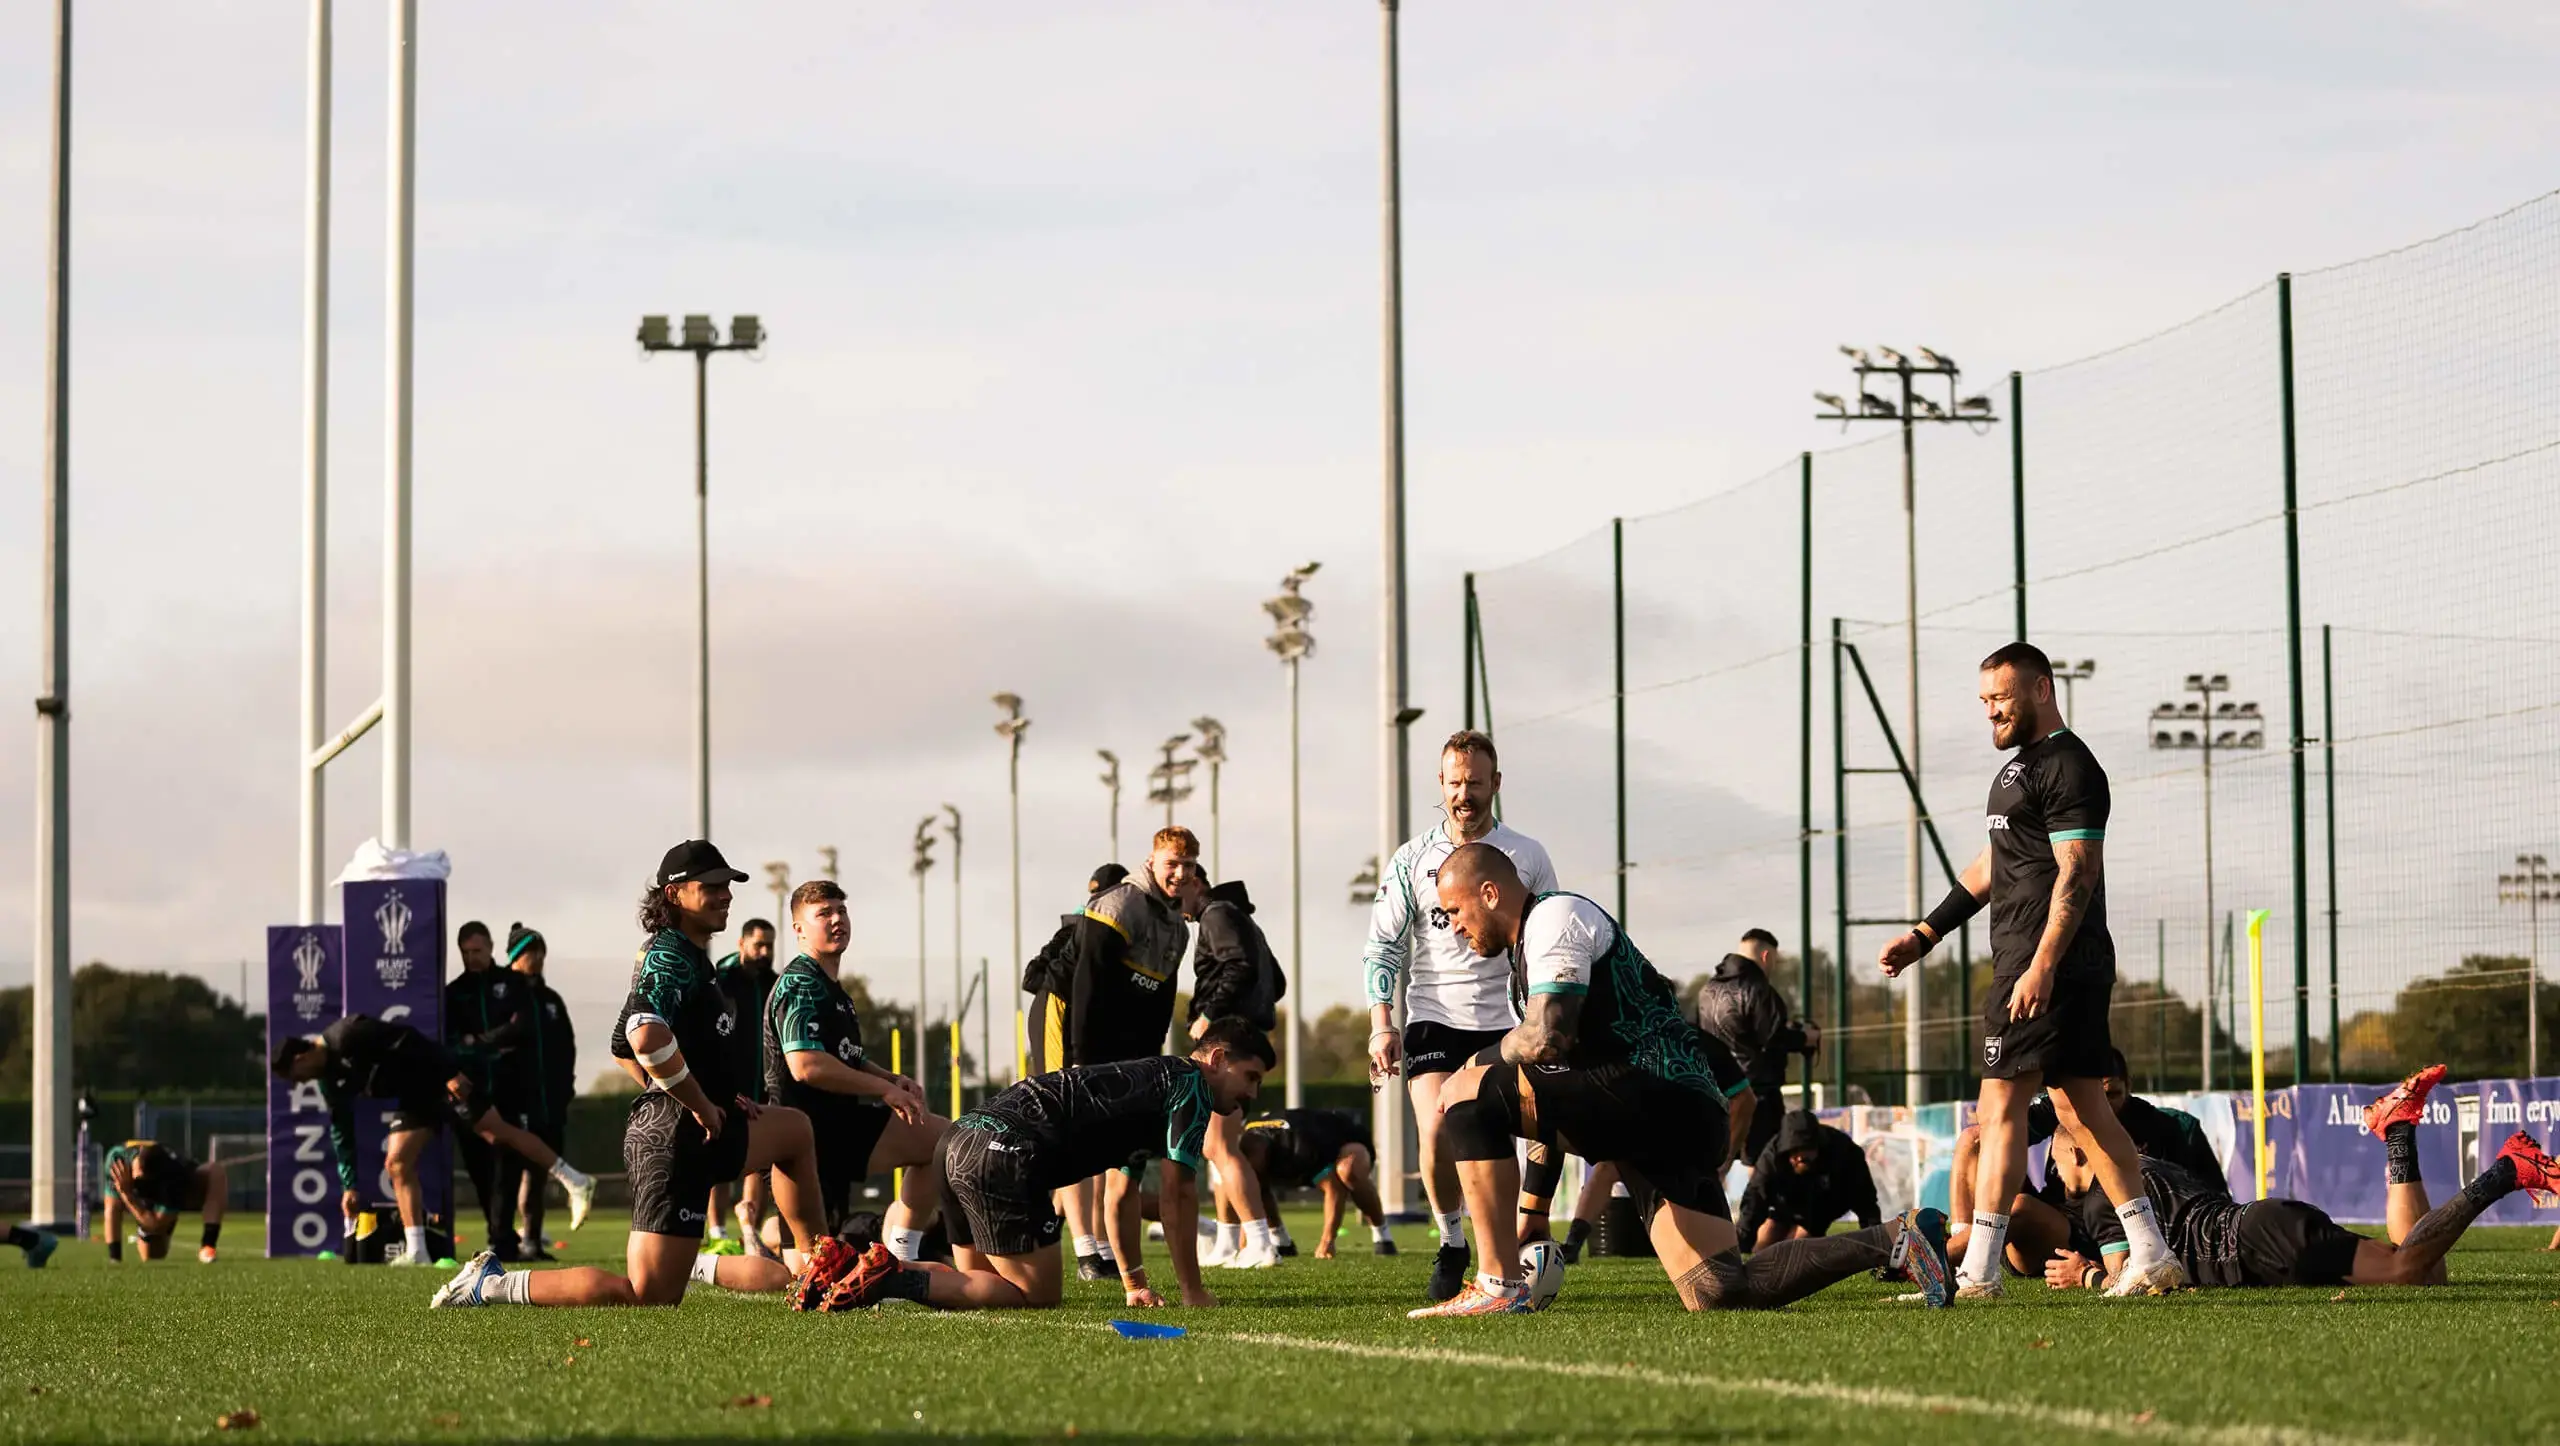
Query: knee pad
(1475, 1129)
(1545, 1171)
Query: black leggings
(516, 1178)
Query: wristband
(1958, 906)
(1134, 1278)
(2085, 1272)
(1377, 1034)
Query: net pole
(1618, 640)
(1804, 764)
(1467, 640)
(2258, 1049)
(2293, 678)
(2018, 496)
(1839, 882)
(2329, 824)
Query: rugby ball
(1542, 1267)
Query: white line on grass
(1884, 1397)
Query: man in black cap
(1810, 1176)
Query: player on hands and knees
(1457, 1002)
(1330, 1151)
(694, 1127)
(1604, 1064)
(1002, 1161)
(2277, 1241)
(867, 1121)
(364, 1057)
(2053, 970)
(1538, 1182)
(150, 1185)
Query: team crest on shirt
(727, 1022)
(2009, 775)
(1991, 1051)
(844, 1050)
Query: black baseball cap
(696, 859)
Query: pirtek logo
(1996, 822)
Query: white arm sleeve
(1390, 945)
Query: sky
(1075, 350)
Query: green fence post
(2329, 821)
(1804, 765)
(2018, 496)
(1618, 632)
(1467, 616)
(2293, 675)
(1839, 883)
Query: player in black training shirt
(2287, 1242)
(747, 978)
(1604, 1064)
(695, 1126)
(867, 1121)
(149, 1184)
(2044, 1019)
(1328, 1150)
(1001, 1161)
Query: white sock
(1226, 1237)
(513, 1288)
(2142, 1232)
(906, 1244)
(1984, 1248)
(1087, 1245)
(1107, 1257)
(1280, 1234)
(416, 1236)
(1453, 1229)
(1257, 1233)
(706, 1268)
(568, 1174)
(715, 1231)
(1493, 1284)
(1380, 1235)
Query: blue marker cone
(1138, 1330)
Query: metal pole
(1389, 1108)
(1839, 884)
(1296, 1092)
(2160, 977)
(1618, 644)
(309, 872)
(1013, 805)
(2329, 821)
(2293, 677)
(2018, 499)
(959, 967)
(2209, 997)
(1804, 772)
(52, 1169)
(924, 1072)
(1467, 634)
(2534, 879)
(702, 610)
(397, 384)
(1914, 1078)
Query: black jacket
(1741, 1007)
(1233, 970)
(549, 1056)
(1128, 950)
(1053, 969)
(488, 1017)
(1838, 1184)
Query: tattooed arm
(2075, 886)
(1546, 1029)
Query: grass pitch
(1316, 1352)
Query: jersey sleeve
(2075, 801)
(1186, 1121)
(658, 993)
(1390, 946)
(797, 1004)
(1558, 946)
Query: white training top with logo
(1447, 982)
(1560, 941)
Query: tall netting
(2149, 483)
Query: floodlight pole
(959, 969)
(1394, 820)
(399, 301)
(702, 607)
(1013, 726)
(2531, 885)
(1293, 642)
(2204, 686)
(51, 1171)
(1111, 782)
(1974, 411)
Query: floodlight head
(1010, 702)
(2254, 738)
(1975, 406)
(2163, 738)
(2087, 666)
(653, 334)
(1936, 360)
(2187, 738)
(699, 331)
(1831, 401)
(2191, 709)
(1893, 358)
(1857, 354)
(2221, 682)
(746, 333)
(2196, 681)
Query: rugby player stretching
(2287, 1242)
(149, 1184)
(866, 1120)
(2044, 1019)
(1604, 1063)
(1001, 1161)
(681, 1140)
(1457, 1001)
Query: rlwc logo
(309, 958)
(393, 917)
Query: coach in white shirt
(1457, 1002)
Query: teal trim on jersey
(1558, 986)
(2077, 835)
(1657, 1038)
(1184, 1137)
(1736, 1092)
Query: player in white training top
(1456, 1001)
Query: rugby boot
(1474, 1299)
(2535, 1170)
(2407, 1101)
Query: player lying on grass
(150, 1185)
(1809, 1176)
(1603, 1064)
(681, 1139)
(1327, 1150)
(1001, 1161)
(2037, 1225)
(2287, 1242)
(361, 1057)
(866, 1120)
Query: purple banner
(2506, 1106)
(395, 972)
(304, 980)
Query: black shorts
(1671, 1135)
(846, 1135)
(1433, 1048)
(420, 1110)
(990, 1199)
(673, 1167)
(2068, 1039)
(2286, 1242)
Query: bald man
(1604, 1063)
